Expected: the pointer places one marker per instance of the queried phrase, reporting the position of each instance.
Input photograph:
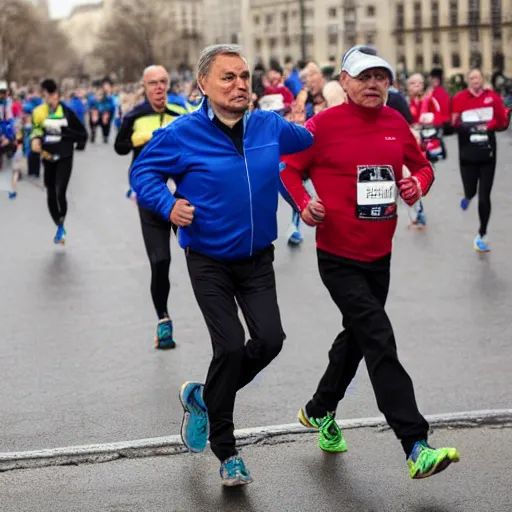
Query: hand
(35, 145)
(314, 213)
(182, 213)
(410, 190)
(4, 141)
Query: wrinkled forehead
(156, 74)
(227, 63)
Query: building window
(257, 45)
(418, 36)
(234, 39)
(272, 42)
(269, 19)
(399, 16)
(370, 38)
(475, 60)
(435, 14)
(496, 19)
(474, 35)
(417, 15)
(436, 59)
(333, 39)
(498, 61)
(332, 12)
(419, 62)
(454, 13)
(455, 60)
(309, 38)
(256, 20)
(284, 17)
(400, 39)
(436, 36)
(454, 37)
(286, 41)
(309, 13)
(370, 11)
(474, 13)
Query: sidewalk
(292, 475)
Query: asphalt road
(296, 476)
(76, 352)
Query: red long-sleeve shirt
(355, 161)
(426, 105)
(466, 100)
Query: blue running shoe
(294, 235)
(12, 195)
(464, 203)
(421, 219)
(164, 339)
(60, 237)
(480, 244)
(194, 428)
(233, 472)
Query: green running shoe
(426, 461)
(330, 438)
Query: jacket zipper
(250, 203)
(248, 181)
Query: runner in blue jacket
(225, 163)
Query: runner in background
(477, 113)
(136, 131)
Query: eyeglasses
(153, 83)
(380, 76)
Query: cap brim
(354, 69)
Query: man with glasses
(135, 132)
(355, 165)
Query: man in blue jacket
(225, 162)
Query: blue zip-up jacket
(235, 197)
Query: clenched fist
(182, 213)
(314, 213)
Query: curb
(172, 445)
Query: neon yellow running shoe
(426, 461)
(330, 437)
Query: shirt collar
(211, 114)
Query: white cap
(360, 58)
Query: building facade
(330, 27)
(453, 34)
(413, 34)
(82, 28)
(224, 21)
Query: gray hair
(210, 53)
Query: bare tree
(131, 39)
(30, 47)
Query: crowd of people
(341, 148)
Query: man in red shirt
(355, 165)
(476, 114)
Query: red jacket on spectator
(428, 104)
(287, 95)
(443, 99)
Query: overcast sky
(61, 8)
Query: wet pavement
(76, 352)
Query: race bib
(376, 192)
(52, 139)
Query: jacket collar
(207, 110)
